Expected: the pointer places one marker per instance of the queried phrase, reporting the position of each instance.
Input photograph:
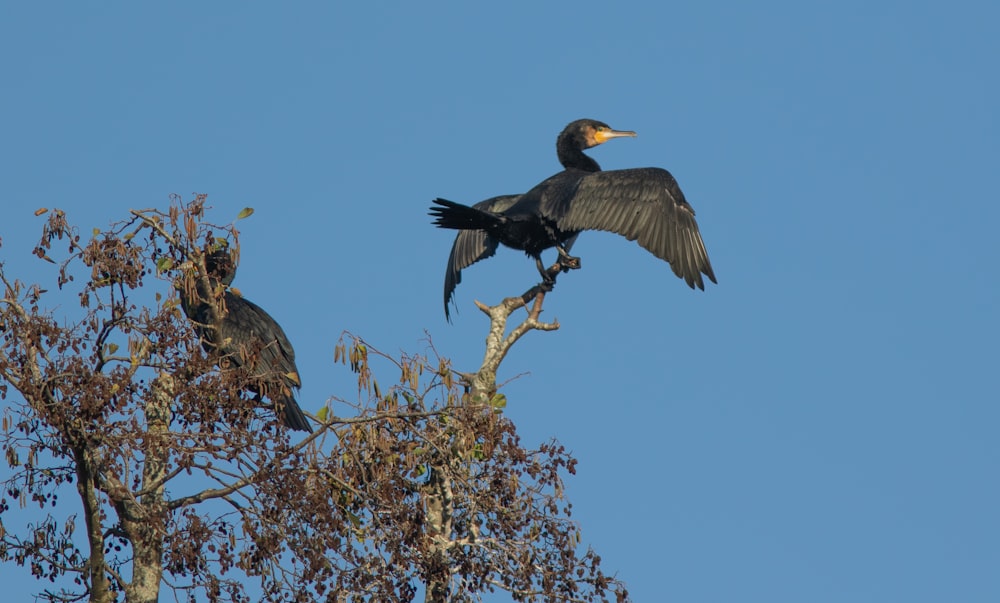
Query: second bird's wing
(248, 329)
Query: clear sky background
(821, 426)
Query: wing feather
(471, 246)
(248, 324)
(643, 205)
(249, 337)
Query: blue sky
(820, 426)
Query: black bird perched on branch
(241, 334)
(642, 204)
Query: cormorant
(641, 204)
(246, 335)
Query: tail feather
(456, 216)
(294, 418)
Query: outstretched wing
(643, 205)
(470, 246)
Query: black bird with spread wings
(244, 335)
(641, 204)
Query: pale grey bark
(144, 520)
(438, 509)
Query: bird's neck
(572, 157)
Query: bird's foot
(568, 262)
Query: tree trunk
(145, 522)
(100, 588)
(438, 515)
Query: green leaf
(245, 213)
(498, 401)
(323, 413)
(354, 519)
(164, 263)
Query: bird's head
(587, 133)
(220, 263)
